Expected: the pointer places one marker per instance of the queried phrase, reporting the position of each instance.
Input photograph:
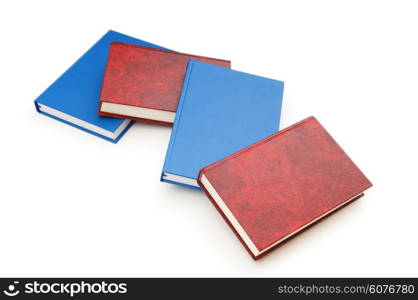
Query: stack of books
(268, 184)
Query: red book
(282, 184)
(142, 83)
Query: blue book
(74, 97)
(220, 112)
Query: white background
(72, 204)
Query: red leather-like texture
(284, 182)
(146, 77)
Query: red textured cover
(279, 185)
(146, 77)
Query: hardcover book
(282, 184)
(220, 112)
(142, 83)
(74, 97)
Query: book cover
(74, 97)
(143, 83)
(220, 112)
(274, 189)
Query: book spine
(228, 62)
(177, 120)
